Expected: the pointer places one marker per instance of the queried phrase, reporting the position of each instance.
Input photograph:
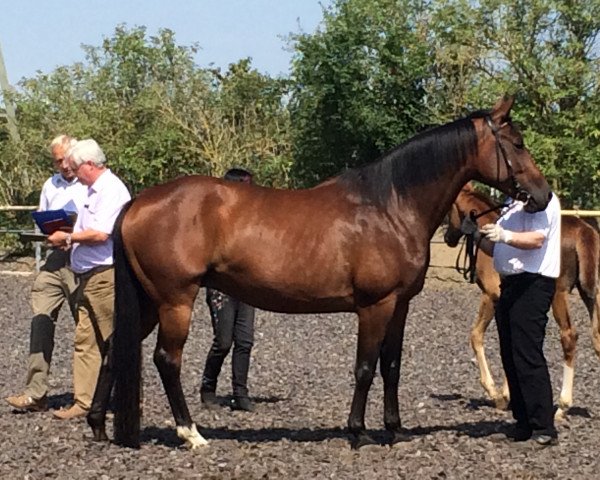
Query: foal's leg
(595, 313)
(372, 325)
(172, 334)
(591, 297)
(568, 339)
(390, 362)
(484, 317)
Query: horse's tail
(126, 360)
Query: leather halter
(521, 194)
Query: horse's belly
(286, 300)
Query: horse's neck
(432, 202)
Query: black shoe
(242, 403)
(538, 441)
(518, 433)
(209, 399)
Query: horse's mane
(421, 159)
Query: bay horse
(358, 242)
(580, 261)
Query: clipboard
(32, 237)
(49, 221)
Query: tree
(546, 52)
(358, 85)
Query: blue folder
(50, 221)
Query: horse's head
(505, 163)
(452, 235)
(455, 217)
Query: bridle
(522, 194)
(468, 269)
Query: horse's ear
(501, 111)
(468, 187)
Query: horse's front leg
(372, 325)
(172, 334)
(390, 363)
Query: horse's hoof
(560, 415)
(501, 403)
(400, 437)
(99, 434)
(361, 440)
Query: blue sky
(38, 35)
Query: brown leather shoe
(75, 411)
(28, 404)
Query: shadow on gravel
(470, 429)
(471, 403)
(59, 401)
(579, 412)
(167, 436)
(477, 403)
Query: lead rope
(469, 260)
(468, 270)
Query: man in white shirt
(53, 285)
(526, 250)
(91, 247)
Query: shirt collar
(61, 181)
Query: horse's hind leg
(595, 309)
(568, 339)
(390, 362)
(372, 325)
(591, 298)
(96, 418)
(172, 334)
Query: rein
(470, 245)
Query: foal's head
(458, 211)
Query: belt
(93, 271)
(516, 276)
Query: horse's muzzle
(532, 204)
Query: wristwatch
(68, 240)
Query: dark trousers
(233, 323)
(521, 318)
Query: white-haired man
(91, 248)
(53, 285)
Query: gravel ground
(301, 379)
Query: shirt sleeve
(542, 221)
(43, 206)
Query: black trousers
(521, 318)
(233, 323)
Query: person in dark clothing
(526, 249)
(233, 324)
